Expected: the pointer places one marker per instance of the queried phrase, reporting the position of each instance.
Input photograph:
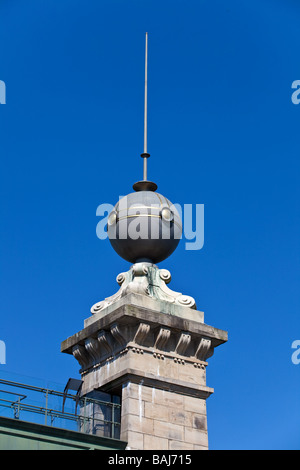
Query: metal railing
(51, 407)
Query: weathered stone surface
(163, 429)
(199, 422)
(159, 414)
(155, 411)
(137, 424)
(136, 439)
(179, 416)
(152, 442)
(179, 445)
(132, 406)
(194, 436)
(194, 404)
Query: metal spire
(145, 185)
(145, 155)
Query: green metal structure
(16, 434)
(45, 419)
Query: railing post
(46, 407)
(17, 410)
(84, 415)
(113, 421)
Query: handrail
(54, 392)
(19, 405)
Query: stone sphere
(144, 226)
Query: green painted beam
(16, 434)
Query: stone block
(180, 445)
(155, 443)
(133, 407)
(194, 404)
(196, 447)
(136, 423)
(157, 412)
(199, 422)
(194, 436)
(164, 429)
(192, 375)
(181, 417)
(135, 440)
(171, 399)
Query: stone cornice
(163, 383)
(142, 331)
(129, 314)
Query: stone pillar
(159, 419)
(150, 346)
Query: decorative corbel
(162, 338)
(117, 335)
(105, 341)
(183, 343)
(141, 333)
(80, 354)
(204, 349)
(93, 348)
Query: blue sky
(222, 131)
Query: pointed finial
(145, 185)
(145, 155)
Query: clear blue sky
(222, 131)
